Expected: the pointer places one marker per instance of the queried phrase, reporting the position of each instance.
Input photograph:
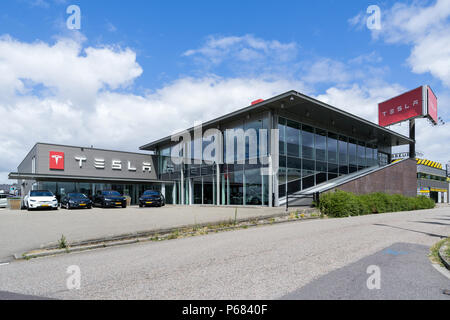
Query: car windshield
(151, 193)
(77, 195)
(111, 193)
(41, 194)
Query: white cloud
(326, 70)
(65, 94)
(247, 51)
(64, 68)
(427, 29)
(248, 55)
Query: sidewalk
(23, 230)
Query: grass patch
(174, 235)
(434, 252)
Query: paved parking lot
(23, 230)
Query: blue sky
(161, 31)
(214, 56)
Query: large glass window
(165, 152)
(321, 145)
(321, 155)
(293, 139)
(234, 144)
(197, 187)
(252, 138)
(282, 134)
(343, 155)
(308, 173)
(307, 142)
(253, 187)
(332, 146)
(361, 155)
(236, 187)
(352, 156)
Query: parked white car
(36, 199)
(3, 200)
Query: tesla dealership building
(307, 143)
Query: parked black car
(152, 198)
(109, 198)
(76, 200)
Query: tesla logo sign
(56, 160)
(406, 106)
(418, 103)
(115, 164)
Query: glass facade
(309, 156)
(239, 180)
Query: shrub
(338, 204)
(344, 204)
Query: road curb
(144, 236)
(444, 258)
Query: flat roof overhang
(313, 112)
(53, 177)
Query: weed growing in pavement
(174, 235)
(62, 243)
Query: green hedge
(344, 204)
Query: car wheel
(89, 207)
(124, 205)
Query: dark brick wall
(398, 178)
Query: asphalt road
(40, 228)
(317, 259)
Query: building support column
(191, 191)
(218, 184)
(412, 135)
(174, 193)
(182, 185)
(270, 178)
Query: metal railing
(315, 196)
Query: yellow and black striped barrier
(425, 162)
(429, 163)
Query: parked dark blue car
(110, 199)
(75, 200)
(151, 198)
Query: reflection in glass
(307, 142)
(361, 150)
(293, 139)
(332, 146)
(321, 145)
(253, 187)
(282, 136)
